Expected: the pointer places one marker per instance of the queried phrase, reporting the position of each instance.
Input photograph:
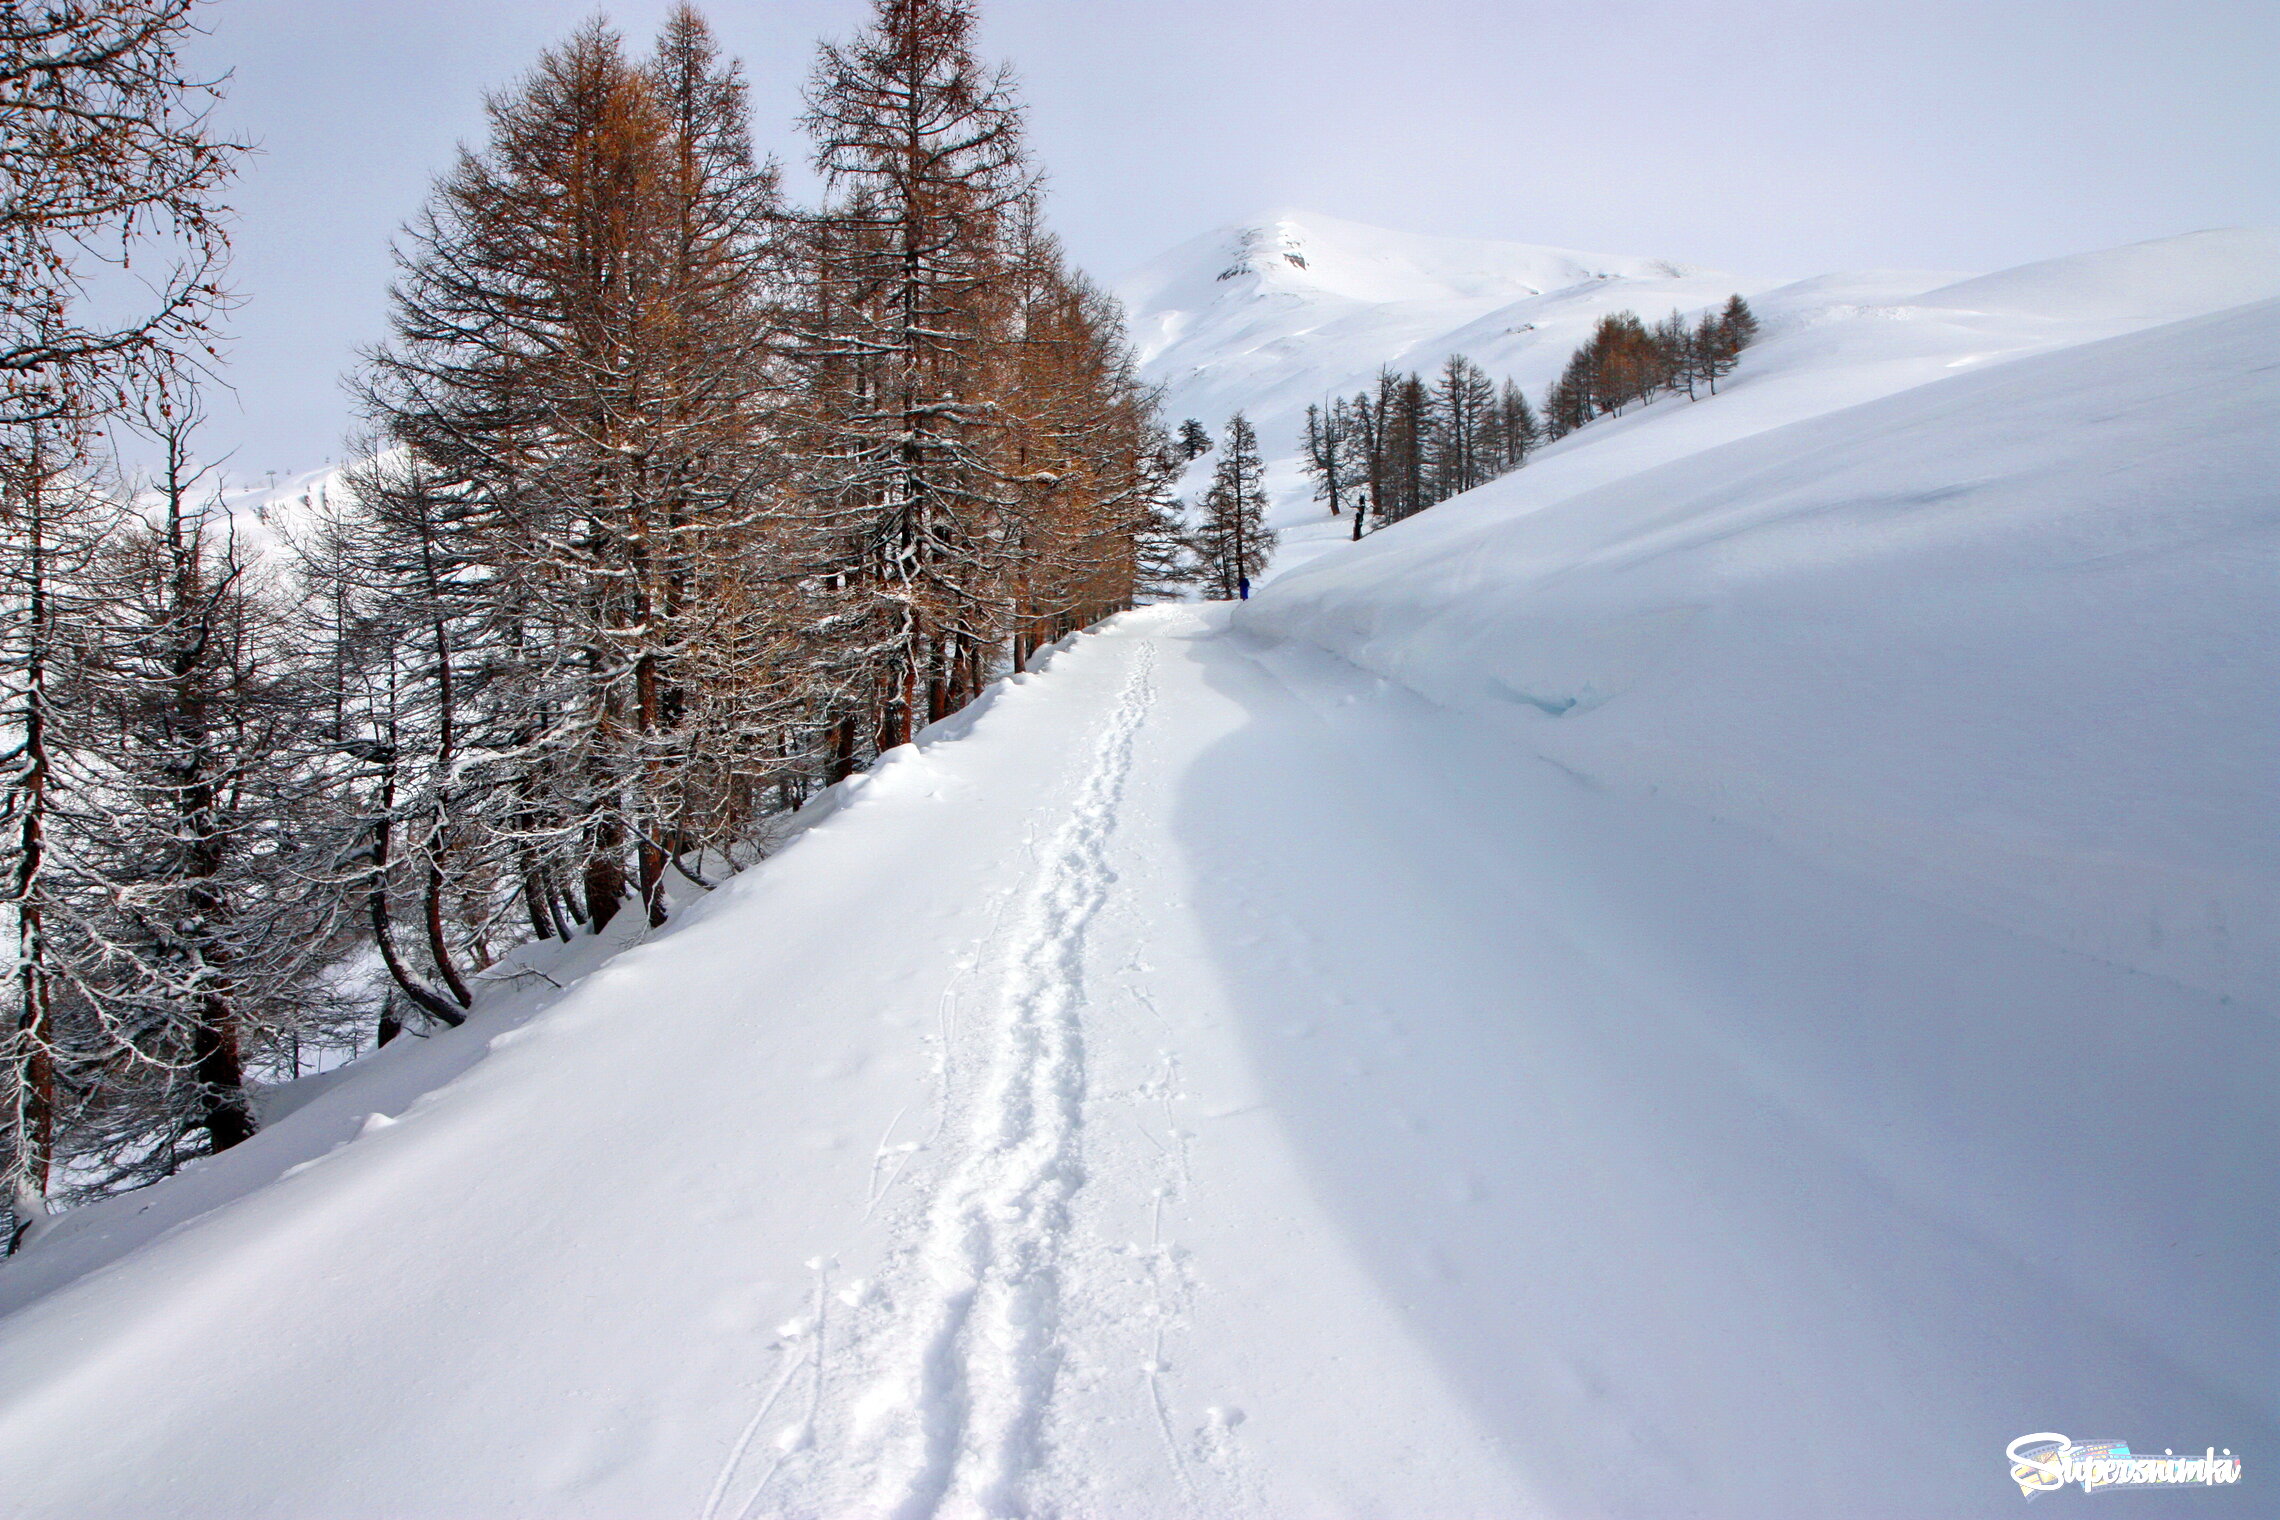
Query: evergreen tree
(1195, 440)
(1515, 432)
(1234, 541)
(1739, 322)
(1720, 339)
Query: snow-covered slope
(1272, 337)
(2014, 630)
(1730, 973)
(1999, 651)
(1294, 307)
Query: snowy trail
(966, 1364)
(921, 1173)
(1730, 973)
(1027, 1334)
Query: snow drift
(1956, 707)
(2013, 631)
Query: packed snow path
(1209, 1082)
(1011, 1350)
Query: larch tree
(54, 519)
(1516, 432)
(1720, 338)
(1329, 454)
(1365, 426)
(1626, 362)
(1194, 440)
(921, 146)
(106, 151)
(1463, 404)
(713, 689)
(1078, 454)
(674, 504)
(581, 389)
(1405, 412)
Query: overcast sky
(1783, 137)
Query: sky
(1776, 137)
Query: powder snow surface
(1729, 973)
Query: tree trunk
(439, 943)
(220, 1069)
(605, 878)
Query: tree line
(1408, 443)
(678, 502)
(1626, 362)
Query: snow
(1967, 628)
(2161, 280)
(1729, 973)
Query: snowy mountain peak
(1308, 254)
(1261, 250)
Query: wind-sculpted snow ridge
(2157, 281)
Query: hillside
(1227, 321)
(1731, 972)
(1294, 307)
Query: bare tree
(54, 518)
(1328, 454)
(197, 812)
(104, 143)
(1462, 405)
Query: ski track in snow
(952, 1378)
